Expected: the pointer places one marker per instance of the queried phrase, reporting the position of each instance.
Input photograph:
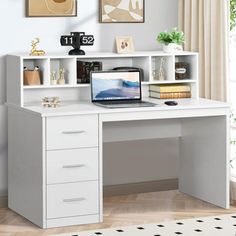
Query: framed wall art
(122, 11)
(124, 44)
(51, 8)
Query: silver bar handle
(80, 199)
(74, 132)
(73, 166)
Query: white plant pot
(172, 47)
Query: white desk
(56, 155)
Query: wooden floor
(122, 211)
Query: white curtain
(206, 27)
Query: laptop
(117, 89)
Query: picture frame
(51, 8)
(124, 44)
(113, 11)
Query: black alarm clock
(76, 40)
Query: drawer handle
(73, 166)
(80, 199)
(74, 132)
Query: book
(172, 88)
(175, 95)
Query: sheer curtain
(206, 26)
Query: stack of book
(172, 91)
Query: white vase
(172, 47)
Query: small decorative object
(34, 51)
(46, 8)
(172, 41)
(181, 70)
(122, 11)
(76, 40)
(53, 102)
(32, 77)
(124, 44)
(161, 73)
(53, 78)
(61, 79)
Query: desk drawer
(64, 166)
(74, 199)
(67, 132)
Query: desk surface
(88, 108)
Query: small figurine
(53, 78)
(53, 102)
(161, 74)
(34, 51)
(61, 79)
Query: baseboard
(3, 202)
(134, 188)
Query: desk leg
(204, 159)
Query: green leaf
(232, 14)
(173, 36)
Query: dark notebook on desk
(117, 89)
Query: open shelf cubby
(42, 64)
(164, 63)
(69, 66)
(192, 66)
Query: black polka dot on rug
(200, 221)
(198, 230)
(217, 218)
(218, 227)
(178, 233)
(161, 226)
(98, 233)
(179, 223)
(140, 228)
(120, 230)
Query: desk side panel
(204, 159)
(25, 165)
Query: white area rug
(224, 225)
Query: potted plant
(172, 41)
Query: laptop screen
(115, 85)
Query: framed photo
(122, 11)
(51, 8)
(124, 44)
